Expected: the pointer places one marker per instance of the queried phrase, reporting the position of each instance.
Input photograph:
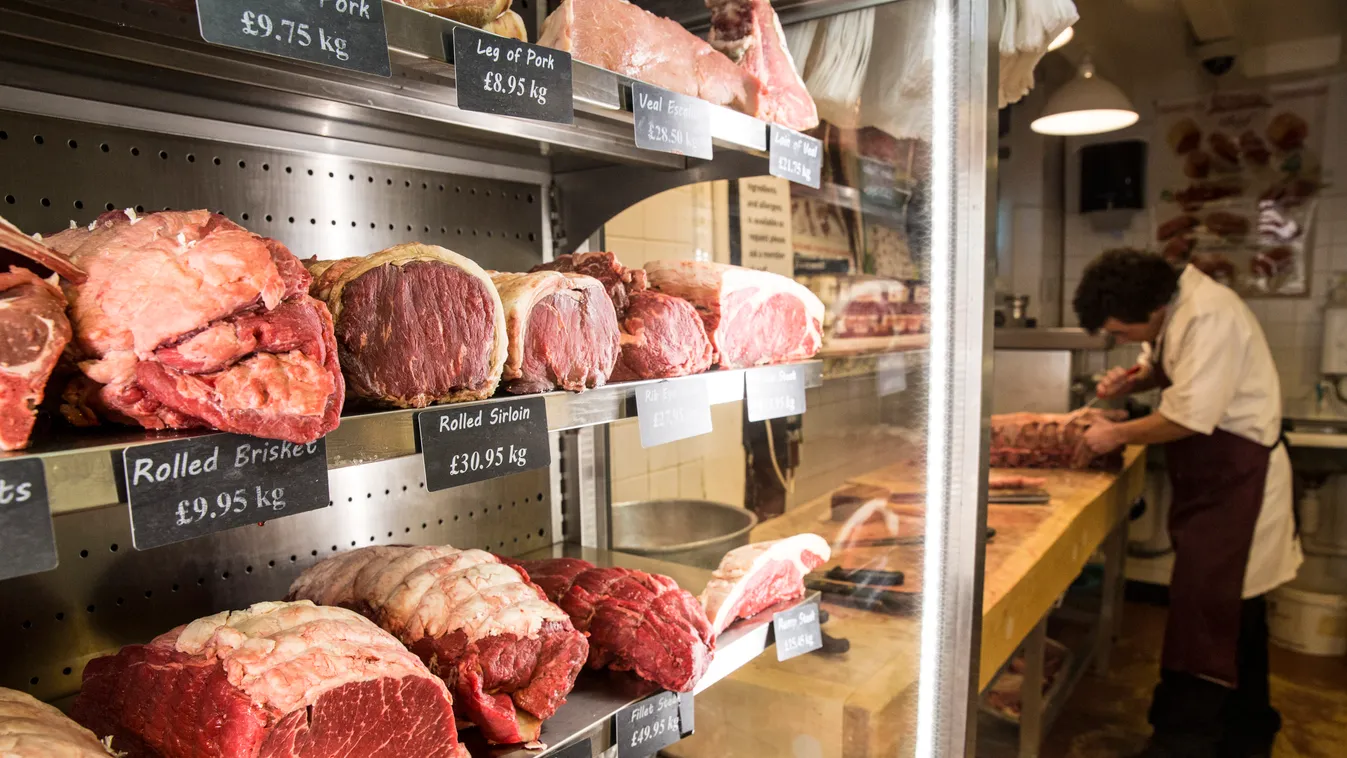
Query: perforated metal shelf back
(106, 594)
(53, 171)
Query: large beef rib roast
(277, 680)
(507, 653)
(189, 320)
(562, 328)
(638, 622)
(415, 324)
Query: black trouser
(1198, 718)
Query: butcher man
(1230, 518)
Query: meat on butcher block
(33, 332)
(618, 36)
(508, 654)
(562, 331)
(753, 317)
(749, 32)
(277, 680)
(753, 578)
(29, 728)
(189, 320)
(1050, 440)
(662, 336)
(415, 324)
(637, 622)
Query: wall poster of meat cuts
(1235, 182)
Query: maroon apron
(1217, 481)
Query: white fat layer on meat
(131, 214)
(484, 600)
(737, 569)
(287, 655)
(31, 368)
(33, 729)
(74, 225)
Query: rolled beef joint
(189, 320)
(562, 331)
(415, 324)
(29, 728)
(277, 680)
(508, 654)
(753, 317)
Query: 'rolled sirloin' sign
(471, 443)
(181, 489)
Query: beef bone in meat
(277, 680)
(753, 578)
(662, 335)
(562, 331)
(1049, 440)
(33, 332)
(29, 728)
(618, 36)
(508, 654)
(638, 622)
(749, 32)
(189, 320)
(753, 317)
(415, 324)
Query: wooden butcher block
(862, 703)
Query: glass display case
(843, 394)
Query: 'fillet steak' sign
(472, 443)
(794, 156)
(27, 544)
(652, 724)
(347, 34)
(496, 74)
(797, 631)
(671, 122)
(182, 489)
(774, 391)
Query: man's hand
(1120, 382)
(1103, 437)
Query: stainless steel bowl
(691, 532)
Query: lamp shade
(1086, 105)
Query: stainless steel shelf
(81, 470)
(599, 695)
(134, 52)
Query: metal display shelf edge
(81, 473)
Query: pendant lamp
(1087, 104)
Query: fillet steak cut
(753, 578)
(277, 680)
(415, 324)
(749, 32)
(562, 328)
(33, 332)
(189, 320)
(29, 728)
(508, 654)
(618, 36)
(638, 622)
(753, 317)
(662, 336)
(1050, 440)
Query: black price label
(673, 410)
(581, 749)
(671, 122)
(650, 725)
(472, 443)
(794, 156)
(774, 391)
(500, 75)
(182, 489)
(797, 631)
(29, 546)
(348, 34)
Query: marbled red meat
(620, 282)
(753, 578)
(562, 331)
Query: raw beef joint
(415, 324)
(753, 317)
(472, 12)
(662, 335)
(1049, 440)
(562, 328)
(29, 728)
(749, 32)
(508, 655)
(189, 320)
(621, 37)
(33, 332)
(638, 622)
(753, 578)
(282, 680)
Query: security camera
(1218, 57)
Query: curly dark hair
(1125, 284)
